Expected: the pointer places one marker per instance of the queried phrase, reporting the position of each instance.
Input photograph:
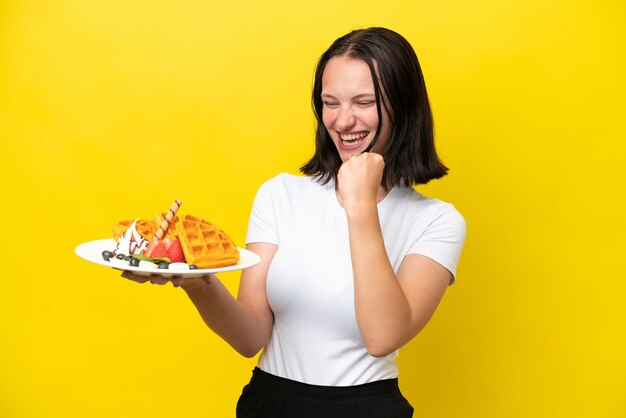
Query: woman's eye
(330, 104)
(367, 103)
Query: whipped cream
(131, 242)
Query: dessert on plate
(172, 242)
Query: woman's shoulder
(286, 181)
(429, 207)
(291, 184)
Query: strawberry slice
(159, 251)
(175, 252)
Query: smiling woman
(354, 261)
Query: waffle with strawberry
(188, 238)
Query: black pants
(269, 396)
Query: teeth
(353, 136)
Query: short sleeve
(262, 224)
(443, 238)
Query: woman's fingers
(160, 280)
(153, 278)
(366, 167)
(134, 277)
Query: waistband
(281, 385)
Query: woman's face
(349, 107)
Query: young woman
(353, 260)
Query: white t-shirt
(315, 338)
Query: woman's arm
(390, 309)
(246, 322)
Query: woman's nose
(345, 119)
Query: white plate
(92, 251)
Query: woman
(353, 260)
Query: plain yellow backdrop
(110, 110)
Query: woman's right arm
(245, 322)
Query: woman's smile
(352, 140)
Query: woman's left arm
(390, 308)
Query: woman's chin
(346, 154)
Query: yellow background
(112, 109)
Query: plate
(92, 251)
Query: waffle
(204, 244)
(145, 228)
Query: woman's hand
(176, 281)
(358, 180)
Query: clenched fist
(358, 181)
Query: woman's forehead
(344, 74)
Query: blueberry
(106, 254)
(193, 267)
(127, 258)
(120, 256)
(164, 265)
(134, 262)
